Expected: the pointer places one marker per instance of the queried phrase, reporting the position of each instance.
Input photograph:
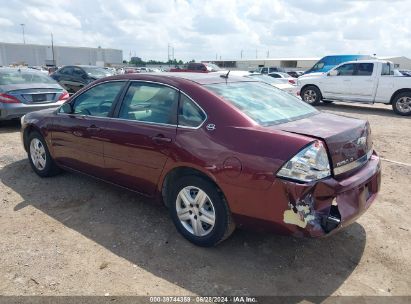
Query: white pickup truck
(363, 81)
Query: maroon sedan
(219, 151)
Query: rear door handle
(93, 128)
(161, 139)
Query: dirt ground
(72, 235)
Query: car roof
(199, 78)
(367, 61)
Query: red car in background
(220, 151)
(198, 67)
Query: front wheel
(39, 156)
(199, 211)
(311, 95)
(402, 104)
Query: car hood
(347, 139)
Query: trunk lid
(348, 139)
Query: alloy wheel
(195, 211)
(403, 104)
(310, 96)
(38, 154)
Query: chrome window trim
(354, 164)
(139, 121)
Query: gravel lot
(72, 235)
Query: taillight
(64, 96)
(292, 81)
(6, 98)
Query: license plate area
(39, 97)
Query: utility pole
(168, 52)
(256, 53)
(22, 27)
(52, 49)
(268, 54)
(241, 54)
(173, 52)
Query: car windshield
(264, 104)
(211, 67)
(97, 72)
(21, 76)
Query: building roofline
(59, 46)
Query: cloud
(5, 22)
(202, 30)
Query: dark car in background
(220, 151)
(23, 90)
(75, 77)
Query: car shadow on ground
(358, 108)
(140, 231)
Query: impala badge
(210, 127)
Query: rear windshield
(97, 72)
(21, 76)
(263, 103)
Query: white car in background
(362, 81)
(285, 86)
(284, 77)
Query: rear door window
(363, 69)
(150, 102)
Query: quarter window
(98, 100)
(150, 103)
(387, 69)
(189, 115)
(346, 70)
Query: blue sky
(203, 29)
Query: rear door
(142, 136)
(78, 137)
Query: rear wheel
(311, 95)
(39, 156)
(199, 211)
(402, 104)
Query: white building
(294, 64)
(39, 55)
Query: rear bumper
(17, 110)
(314, 209)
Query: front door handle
(93, 128)
(161, 139)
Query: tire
(311, 95)
(186, 218)
(39, 156)
(328, 101)
(402, 104)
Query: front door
(77, 140)
(338, 86)
(141, 138)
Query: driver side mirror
(333, 73)
(66, 108)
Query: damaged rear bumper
(328, 205)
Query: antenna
(226, 75)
